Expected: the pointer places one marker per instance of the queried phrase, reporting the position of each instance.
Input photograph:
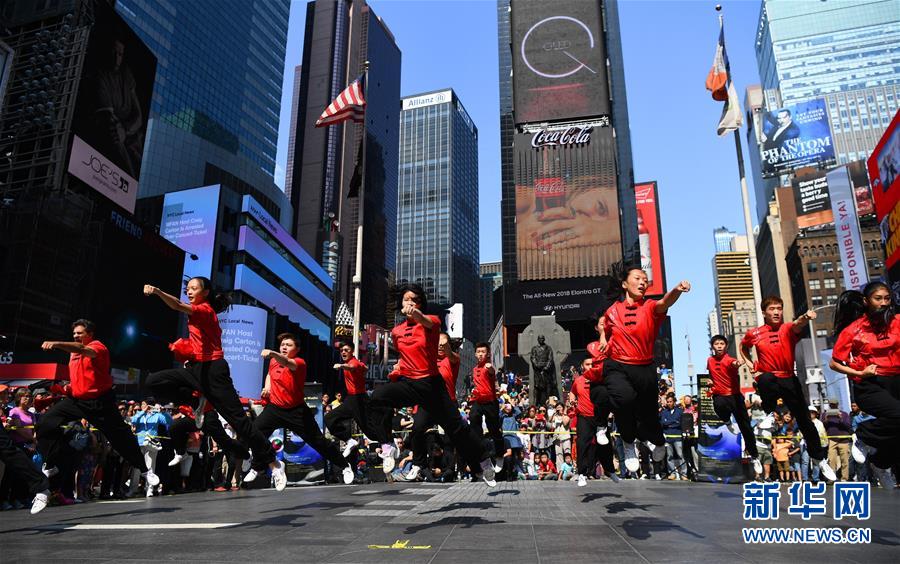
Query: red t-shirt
(450, 373)
(90, 377)
(484, 384)
(286, 385)
(774, 348)
(581, 387)
(631, 331)
(868, 347)
(205, 333)
(355, 377)
(418, 348)
(595, 373)
(725, 378)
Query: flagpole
(745, 198)
(361, 206)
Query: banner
(568, 300)
(846, 226)
(243, 337)
(884, 169)
(650, 236)
(720, 449)
(796, 136)
(190, 219)
(811, 199)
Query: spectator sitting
(440, 466)
(567, 468)
(546, 470)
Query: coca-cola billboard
(567, 136)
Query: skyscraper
(340, 36)
(491, 279)
(292, 139)
(565, 143)
(731, 275)
(437, 208)
(724, 239)
(216, 103)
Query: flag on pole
(349, 105)
(718, 81)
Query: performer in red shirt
(727, 398)
(448, 366)
(631, 325)
(485, 406)
(599, 394)
(287, 409)
(88, 396)
(207, 371)
(587, 427)
(417, 381)
(868, 351)
(354, 406)
(774, 372)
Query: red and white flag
(349, 105)
(718, 81)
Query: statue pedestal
(559, 342)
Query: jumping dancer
(774, 372)
(727, 398)
(868, 351)
(207, 371)
(448, 366)
(353, 408)
(88, 396)
(287, 406)
(599, 395)
(211, 427)
(588, 427)
(630, 327)
(417, 381)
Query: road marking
(124, 501)
(389, 502)
(135, 527)
(366, 492)
(373, 513)
(398, 545)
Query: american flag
(350, 104)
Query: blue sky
(668, 46)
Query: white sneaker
(732, 428)
(602, 439)
(413, 473)
(498, 467)
(757, 466)
(198, 413)
(632, 462)
(151, 477)
(39, 502)
(250, 475)
(149, 492)
(658, 452)
(348, 474)
(351, 444)
(487, 472)
(245, 465)
(279, 476)
(387, 458)
(860, 451)
(581, 481)
(176, 460)
(826, 470)
(49, 472)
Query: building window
(812, 267)
(817, 301)
(876, 264)
(830, 283)
(831, 299)
(815, 284)
(827, 266)
(821, 332)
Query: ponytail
(618, 273)
(851, 306)
(219, 301)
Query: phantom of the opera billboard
(794, 137)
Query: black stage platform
(516, 522)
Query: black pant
(301, 421)
(880, 396)
(418, 438)
(725, 407)
(431, 394)
(212, 427)
(634, 399)
(213, 380)
(490, 412)
(339, 420)
(600, 399)
(101, 413)
(589, 450)
(19, 466)
(771, 387)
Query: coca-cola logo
(106, 172)
(571, 136)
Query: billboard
(796, 136)
(846, 228)
(190, 220)
(650, 236)
(884, 169)
(568, 300)
(812, 198)
(559, 60)
(720, 449)
(243, 337)
(567, 208)
(111, 111)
